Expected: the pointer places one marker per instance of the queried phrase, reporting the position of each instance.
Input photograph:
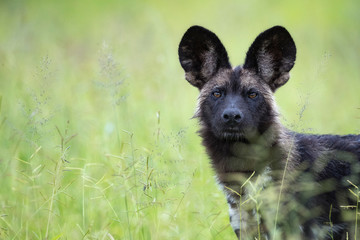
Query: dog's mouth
(236, 134)
(233, 134)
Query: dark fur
(255, 156)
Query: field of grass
(96, 135)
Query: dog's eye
(252, 95)
(217, 94)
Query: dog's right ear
(201, 55)
(272, 55)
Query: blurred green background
(96, 135)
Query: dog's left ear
(272, 55)
(201, 55)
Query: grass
(96, 136)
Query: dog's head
(237, 103)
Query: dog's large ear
(272, 56)
(201, 55)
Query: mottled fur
(250, 150)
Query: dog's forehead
(247, 79)
(223, 78)
(236, 78)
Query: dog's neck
(269, 149)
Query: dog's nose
(232, 115)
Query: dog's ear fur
(201, 55)
(272, 55)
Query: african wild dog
(275, 180)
